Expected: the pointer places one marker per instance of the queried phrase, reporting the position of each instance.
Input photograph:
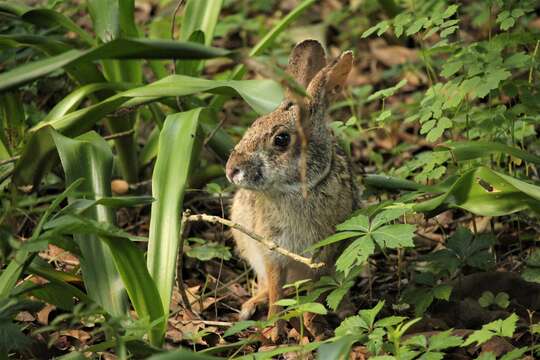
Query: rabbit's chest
(295, 228)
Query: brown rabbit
(267, 166)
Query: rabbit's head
(269, 156)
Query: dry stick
(119, 134)
(269, 244)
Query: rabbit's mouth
(249, 176)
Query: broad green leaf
(70, 102)
(177, 148)
(485, 192)
(89, 157)
(200, 15)
(48, 18)
(468, 150)
(336, 350)
(142, 290)
(262, 95)
(116, 49)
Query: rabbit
(266, 166)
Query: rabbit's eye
(282, 140)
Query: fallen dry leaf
(392, 55)
(43, 314)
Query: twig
(269, 244)
(180, 263)
(119, 134)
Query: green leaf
(450, 68)
(502, 300)
(116, 49)
(336, 350)
(200, 15)
(468, 150)
(416, 26)
(487, 299)
(394, 236)
(503, 328)
(388, 215)
(311, 307)
(10, 275)
(262, 95)
(142, 290)
(177, 149)
(532, 268)
(239, 326)
(352, 325)
(355, 254)
(208, 251)
(369, 315)
(286, 302)
(48, 18)
(89, 157)
(485, 192)
(355, 223)
(444, 340)
(442, 292)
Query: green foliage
(503, 328)
(487, 299)
(532, 268)
(368, 232)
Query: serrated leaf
(353, 325)
(355, 254)
(355, 223)
(504, 328)
(394, 236)
(390, 321)
(444, 340)
(369, 315)
(334, 298)
(388, 215)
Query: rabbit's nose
(234, 174)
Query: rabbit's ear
(331, 79)
(305, 61)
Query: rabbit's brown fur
(270, 200)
